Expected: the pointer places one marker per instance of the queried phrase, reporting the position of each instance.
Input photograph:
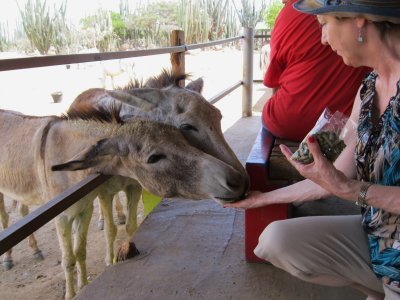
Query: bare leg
(7, 257)
(37, 253)
(82, 222)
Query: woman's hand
(323, 179)
(253, 199)
(321, 170)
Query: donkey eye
(187, 127)
(155, 158)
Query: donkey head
(162, 161)
(186, 109)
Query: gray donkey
(160, 99)
(155, 155)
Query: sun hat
(377, 10)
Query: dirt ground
(28, 91)
(44, 279)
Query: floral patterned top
(378, 160)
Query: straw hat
(374, 10)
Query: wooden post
(178, 59)
(247, 72)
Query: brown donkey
(160, 99)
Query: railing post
(247, 72)
(178, 59)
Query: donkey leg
(100, 221)
(82, 222)
(128, 248)
(64, 234)
(110, 231)
(4, 217)
(133, 195)
(120, 210)
(14, 205)
(37, 253)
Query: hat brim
(345, 8)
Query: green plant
(204, 20)
(271, 12)
(249, 13)
(194, 21)
(38, 25)
(43, 27)
(151, 24)
(98, 30)
(4, 38)
(62, 35)
(118, 25)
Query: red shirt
(309, 76)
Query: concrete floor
(195, 250)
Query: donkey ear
(145, 99)
(91, 156)
(196, 85)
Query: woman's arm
(331, 179)
(307, 190)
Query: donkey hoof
(7, 265)
(127, 250)
(38, 255)
(100, 224)
(121, 220)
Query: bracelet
(363, 194)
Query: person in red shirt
(306, 76)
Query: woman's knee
(274, 241)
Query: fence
(32, 222)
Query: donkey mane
(89, 112)
(164, 79)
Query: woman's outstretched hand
(252, 200)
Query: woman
(362, 252)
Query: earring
(360, 38)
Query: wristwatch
(363, 193)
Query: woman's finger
(314, 148)
(286, 151)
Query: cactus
(249, 14)
(204, 20)
(38, 25)
(43, 28)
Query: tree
(269, 14)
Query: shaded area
(195, 250)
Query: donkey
(4, 218)
(156, 155)
(161, 99)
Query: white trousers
(326, 250)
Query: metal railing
(36, 219)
